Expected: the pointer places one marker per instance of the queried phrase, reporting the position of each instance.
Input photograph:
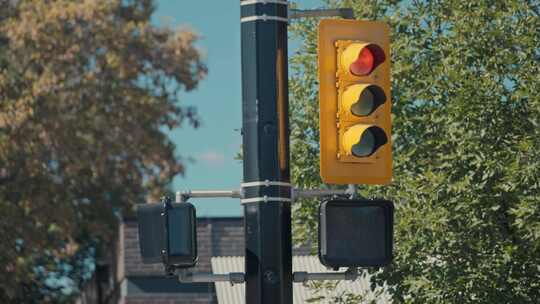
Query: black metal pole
(265, 130)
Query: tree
(87, 90)
(466, 141)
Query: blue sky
(218, 98)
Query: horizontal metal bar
(183, 196)
(232, 277)
(346, 13)
(248, 2)
(302, 276)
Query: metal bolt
(270, 277)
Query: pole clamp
(266, 198)
(266, 183)
(264, 17)
(248, 2)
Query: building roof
(227, 294)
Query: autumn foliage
(87, 89)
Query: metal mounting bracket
(185, 276)
(345, 13)
(301, 276)
(184, 196)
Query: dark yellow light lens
(362, 140)
(365, 146)
(365, 104)
(363, 99)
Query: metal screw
(270, 277)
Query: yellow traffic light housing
(354, 100)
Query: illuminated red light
(364, 64)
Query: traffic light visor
(363, 99)
(360, 59)
(363, 140)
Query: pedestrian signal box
(167, 234)
(356, 233)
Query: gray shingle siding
(215, 237)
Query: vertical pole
(265, 130)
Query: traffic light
(167, 234)
(356, 233)
(354, 102)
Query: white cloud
(212, 158)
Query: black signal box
(167, 234)
(356, 233)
